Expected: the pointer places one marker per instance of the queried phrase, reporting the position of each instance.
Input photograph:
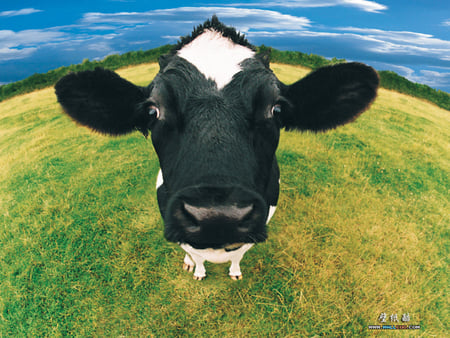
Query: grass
(361, 229)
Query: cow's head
(214, 112)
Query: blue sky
(410, 37)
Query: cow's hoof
(188, 268)
(199, 278)
(236, 277)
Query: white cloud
(446, 22)
(22, 44)
(7, 54)
(10, 38)
(432, 78)
(99, 46)
(142, 42)
(373, 40)
(102, 27)
(368, 6)
(402, 42)
(245, 18)
(400, 36)
(24, 11)
(292, 34)
(364, 5)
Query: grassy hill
(361, 229)
(388, 79)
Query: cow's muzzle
(216, 216)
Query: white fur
(272, 209)
(159, 179)
(197, 257)
(271, 212)
(215, 56)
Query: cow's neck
(215, 56)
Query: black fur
(102, 100)
(217, 147)
(329, 97)
(214, 24)
(205, 135)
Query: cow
(214, 112)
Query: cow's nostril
(231, 212)
(244, 227)
(193, 229)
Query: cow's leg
(199, 271)
(188, 264)
(235, 269)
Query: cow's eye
(276, 110)
(153, 111)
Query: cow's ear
(329, 97)
(102, 100)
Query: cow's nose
(231, 214)
(214, 216)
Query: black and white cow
(215, 111)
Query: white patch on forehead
(216, 56)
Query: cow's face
(214, 112)
(216, 148)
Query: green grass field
(362, 228)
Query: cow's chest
(197, 257)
